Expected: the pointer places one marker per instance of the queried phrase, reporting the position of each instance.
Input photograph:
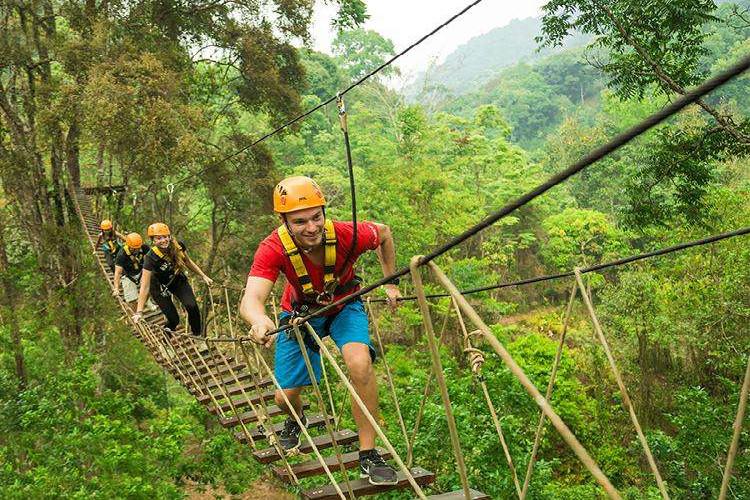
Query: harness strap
(162, 256)
(329, 267)
(136, 260)
(295, 257)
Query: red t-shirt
(270, 258)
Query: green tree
(649, 44)
(580, 237)
(360, 51)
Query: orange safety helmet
(134, 241)
(158, 229)
(297, 193)
(106, 225)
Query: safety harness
(137, 261)
(330, 281)
(312, 299)
(177, 270)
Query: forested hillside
(482, 57)
(146, 95)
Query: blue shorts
(348, 325)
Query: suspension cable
(599, 153)
(352, 189)
(591, 269)
(331, 99)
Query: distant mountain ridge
(481, 58)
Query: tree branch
(724, 121)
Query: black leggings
(180, 287)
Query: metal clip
(170, 190)
(342, 112)
(324, 298)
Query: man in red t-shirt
(303, 249)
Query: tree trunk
(9, 301)
(72, 151)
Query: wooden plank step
(363, 487)
(242, 402)
(212, 358)
(314, 468)
(218, 368)
(259, 433)
(243, 377)
(251, 416)
(249, 389)
(218, 371)
(233, 389)
(459, 495)
(157, 321)
(343, 437)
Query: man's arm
(143, 292)
(253, 308)
(118, 276)
(386, 252)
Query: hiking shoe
(289, 437)
(375, 469)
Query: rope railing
(476, 358)
(620, 384)
(519, 374)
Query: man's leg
(358, 361)
(350, 331)
(294, 395)
(291, 372)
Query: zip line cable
(334, 97)
(352, 189)
(590, 269)
(547, 277)
(599, 153)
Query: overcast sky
(405, 21)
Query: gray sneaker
(375, 469)
(290, 435)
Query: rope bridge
(236, 388)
